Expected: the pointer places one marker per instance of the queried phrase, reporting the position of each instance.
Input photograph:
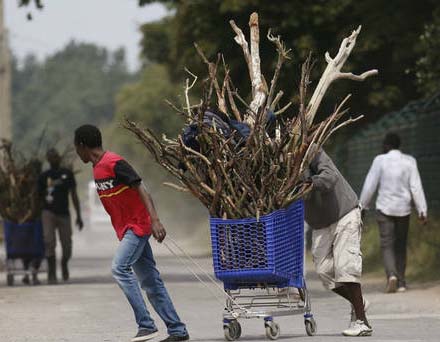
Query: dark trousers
(393, 240)
(52, 223)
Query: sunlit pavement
(91, 307)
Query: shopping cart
(260, 263)
(24, 249)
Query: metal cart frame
(266, 303)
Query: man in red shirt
(134, 219)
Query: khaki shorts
(336, 251)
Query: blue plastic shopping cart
(259, 262)
(23, 242)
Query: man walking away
(54, 186)
(134, 219)
(332, 211)
(396, 179)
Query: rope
(195, 274)
(198, 266)
(211, 279)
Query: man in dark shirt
(134, 219)
(332, 211)
(54, 186)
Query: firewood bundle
(19, 201)
(238, 175)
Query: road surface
(92, 308)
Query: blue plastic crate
(24, 240)
(247, 252)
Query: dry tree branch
(236, 172)
(188, 87)
(333, 72)
(276, 100)
(176, 187)
(283, 54)
(252, 58)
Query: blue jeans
(134, 253)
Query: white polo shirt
(396, 178)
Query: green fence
(418, 125)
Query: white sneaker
(392, 285)
(358, 328)
(401, 289)
(353, 317)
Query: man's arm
(75, 201)
(370, 184)
(157, 228)
(325, 173)
(415, 184)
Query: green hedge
(423, 256)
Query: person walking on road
(395, 177)
(332, 211)
(54, 186)
(134, 219)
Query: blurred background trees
(401, 38)
(86, 83)
(75, 85)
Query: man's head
(54, 158)
(391, 142)
(88, 140)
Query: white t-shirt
(396, 178)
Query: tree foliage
(388, 42)
(427, 67)
(75, 85)
(144, 101)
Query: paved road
(92, 308)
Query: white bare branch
(333, 72)
(252, 57)
(259, 89)
(282, 110)
(187, 89)
(176, 187)
(361, 77)
(241, 40)
(276, 100)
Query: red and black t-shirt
(115, 179)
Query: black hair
(392, 140)
(88, 136)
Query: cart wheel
(237, 329)
(272, 330)
(310, 326)
(232, 330)
(10, 279)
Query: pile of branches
(19, 199)
(237, 177)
